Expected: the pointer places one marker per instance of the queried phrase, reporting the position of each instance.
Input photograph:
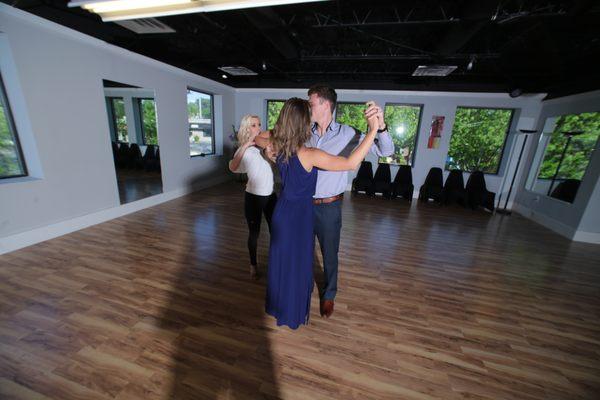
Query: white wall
(53, 77)
(253, 101)
(584, 213)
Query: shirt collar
(333, 126)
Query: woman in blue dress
(290, 274)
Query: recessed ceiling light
(434, 70)
(238, 71)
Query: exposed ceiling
(534, 46)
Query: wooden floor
(136, 184)
(434, 303)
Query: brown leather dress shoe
(327, 308)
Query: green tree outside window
(200, 121)
(273, 109)
(10, 163)
(148, 115)
(352, 114)
(403, 125)
(120, 119)
(478, 138)
(580, 149)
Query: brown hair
(292, 128)
(326, 93)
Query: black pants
(254, 207)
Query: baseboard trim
(587, 237)
(554, 225)
(38, 235)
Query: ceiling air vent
(238, 71)
(145, 25)
(434, 70)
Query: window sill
(206, 155)
(470, 172)
(20, 179)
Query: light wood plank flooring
(434, 303)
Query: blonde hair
(243, 134)
(292, 128)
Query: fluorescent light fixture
(118, 10)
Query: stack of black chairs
(127, 155)
(152, 158)
(477, 193)
(402, 185)
(454, 189)
(123, 155)
(432, 188)
(135, 157)
(382, 183)
(364, 179)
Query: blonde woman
(259, 197)
(290, 273)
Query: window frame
(12, 128)
(266, 126)
(421, 106)
(510, 123)
(212, 121)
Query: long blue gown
(290, 274)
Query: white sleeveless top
(260, 174)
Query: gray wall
(584, 212)
(249, 101)
(54, 79)
(590, 222)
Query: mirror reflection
(131, 112)
(565, 149)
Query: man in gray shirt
(335, 139)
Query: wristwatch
(382, 130)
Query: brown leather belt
(327, 200)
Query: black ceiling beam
(477, 15)
(273, 28)
(399, 57)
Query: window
(147, 109)
(403, 122)
(201, 124)
(567, 154)
(12, 164)
(352, 114)
(273, 109)
(478, 139)
(117, 105)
